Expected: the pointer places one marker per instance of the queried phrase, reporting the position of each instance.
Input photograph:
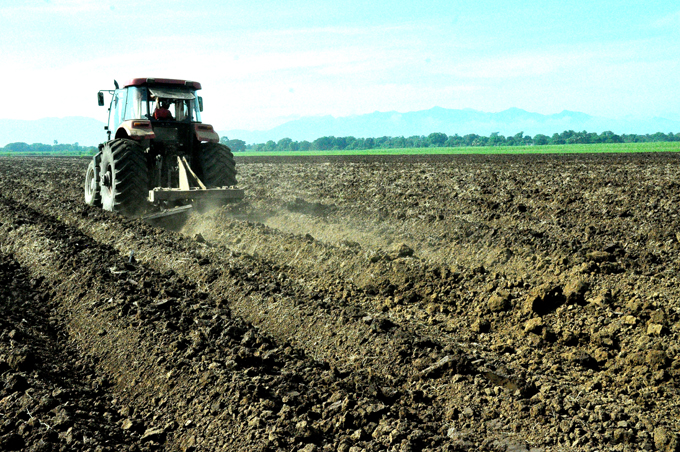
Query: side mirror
(200, 103)
(100, 98)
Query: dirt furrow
(329, 327)
(186, 373)
(51, 397)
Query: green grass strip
(489, 150)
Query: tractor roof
(161, 81)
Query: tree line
(35, 149)
(332, 143)
(442, 140)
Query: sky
(262, 63)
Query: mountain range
(451, 122)
(88, 131)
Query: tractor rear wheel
(217, 165)
(124, 177)
(92, 195)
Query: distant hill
(72, 129)
(451, 122)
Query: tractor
(159, 158)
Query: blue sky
(264, 62)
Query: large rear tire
(92, 195)
(217, 165)
(124, 177)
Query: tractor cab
(141, 105)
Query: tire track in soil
(129, 335)
(317, 323)
(51, 397)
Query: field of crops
(350, 303)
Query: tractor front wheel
(124, 177)
(92, 195)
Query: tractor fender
(136, 129)
(205, 132)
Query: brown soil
(349, 304)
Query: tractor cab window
(186, 110)
(117, 109)
(136, 107)
(179, 103)
(196, 109)
(181, 110)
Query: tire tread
(217, 165)
(131, 179)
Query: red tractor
(161, 158)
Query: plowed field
(439, 303)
